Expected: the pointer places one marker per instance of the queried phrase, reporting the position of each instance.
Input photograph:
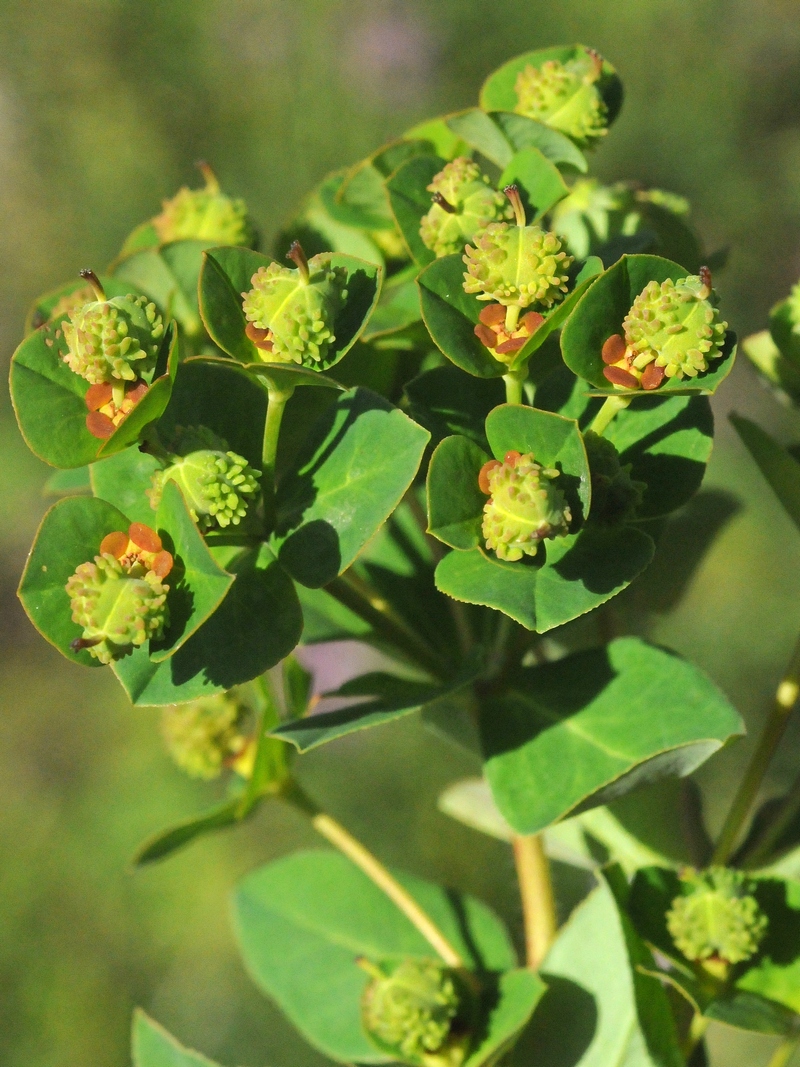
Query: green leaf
(165, 842)
(258, 623)
(392, 697)
(154, 1047)
(455, 501)
(481, 133)
(598, 1009)
(142, 236)
(397, 308)
(168, 275)
(447, 401)
(783, 332)
(439, 137)
(498, 92)
(410, 200)
(198, 585)
(68, 483)
(764, 994)
(594, 713)
(781, 373)
(358, 461)
(50, 407)
(123, 481)
(599, 314)
(42, 308)
(317, 905)
(522, 132)
(516, 995)
(70, 534)
(226, 274)
(781, 471)
(325, 619)
(539, 181)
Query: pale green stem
(611, 407)
(785, 700)
(514, 381)
(784, 1052)
(512, 317)
(276, 402)
(342, 839)
(697, 1031)
(118, 393)
(538, 900)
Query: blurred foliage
(104, 106)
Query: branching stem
(342, 839)
(538, 901)
(785, 701)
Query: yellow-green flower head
(565, 97)
(297, 308)
(119, 606)
(463, 204)
(113, 340)
(717, 918)
(218, 486)
(516, 265)
(675, 325)
(615, 495)
(204, 215)
(408, 1009)
(524, 507)
(201, 737)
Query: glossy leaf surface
(168, 275)
(410, 200)
(781, 470)
(154, 1047)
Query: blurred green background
(104, 106)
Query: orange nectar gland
(503, 343)
(105, 414)
(119, 598)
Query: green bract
(565, 96)
(113, 340)
(524, 507)
(205, 734)
(219, 487)
(517, 266)
(716, 917)
(464, 203)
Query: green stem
(342, 839)
(499, 650)
(697, 1031)
(373, 609)
(785, 700)
(538, 900)
(276, 402)
(514, 381)
(783, 1053)
(612, 405)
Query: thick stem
(538, 901)
(276, 402)
(785, 700)
(784, 1052)
(340, 838)
(514, 381)
(372, 608)
(612, 405)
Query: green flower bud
(204, 735)
(204, 215)
(113, 340)
(716, 918)
(218, 486)
(464, 203)
(565, 97)
(119, 604)
(516, 266)
(676, 326)
(615, 495)
(411, 1011)
(296, 308)
(524, 506)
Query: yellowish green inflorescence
(409, 1010)
(114, 340)
(565, 97)
(218, 486)
(205, 735)
(204, 215)
(464, 203)
(295, 310)
(717, 918)
(524, 508)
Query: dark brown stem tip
(512, 192)
(445, 205)
(705, 277)
(81, 643)
(210, 178)
(94, 281)
(597, 62)
(298, 256)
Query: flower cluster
(524, 506)
(205, 735)
(716, 918)
(565, 96)
(463, 204)
(218, 486)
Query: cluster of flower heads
(114, 340)
(119, 599)
(716, 919)
(205, 735)
(411, 1010)
(516, 266)
(565, 96)
(672, 330)
(524, 506)
(464, 203)
(204, 215)
(291, 312)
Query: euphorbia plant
(446, 418)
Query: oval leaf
(154, 1047)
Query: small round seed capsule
(463, 203)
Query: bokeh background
(104, 106)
